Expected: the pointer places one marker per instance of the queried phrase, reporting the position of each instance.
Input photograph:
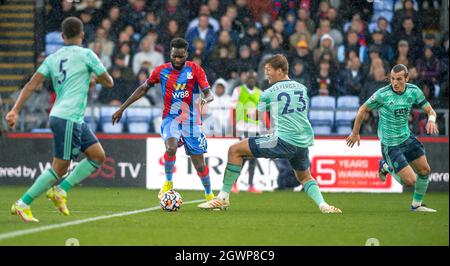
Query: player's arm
(28, 89)
(354, 136)
(431, 126)
(105, 79)
(137, 94)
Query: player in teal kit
(70, 69)
(288, 102)
(403, 155)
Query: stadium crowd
(334, 47)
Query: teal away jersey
(69, 70)
(288, 102)
(394, 110)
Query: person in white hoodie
(218, 121)
(148, 54)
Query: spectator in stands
(219, 121)
(204, 32)
(243, 12)
(274, 46)
(300, 73)
(89, 27)
(324, 81)
(430, 40)
(252, 33)
(93, 5)
(278, 27)
(386, 51)
(149, 54)
(300, 33)
(403, 56)
(117, 22)
(223, 66)
(199, 49)
(125, 48)
(210, 73)
(326, 45)
(351, 43)
(255, 50)
(429, 67)
(406, 11)
(304, 15)
(226, 25)
(373, 83)
(350, 79)
(59, 11)
(224, 41)
(127, 72)
(325, 28)
(216, 8)
(289, 23)
(150, 22)
(172, 9)
(153, 35)
(134, 13)
(335, 20)
(358, 24)
(384, 26)
(171, 31)
(236, 21)
(97, 47)
(245, 61)
(302, 52)
(411, 35)
(116, 95)
(322, 13)
(374, 60)
(102, 37)
(212, 22)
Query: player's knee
(233, 150)
(200, 167)
(60, 170)
(99, 157)
(424, 170)
(409, 182)
(171, 151)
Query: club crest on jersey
(189, 75)
(409, 100)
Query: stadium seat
(344, 121)
(323, 102)
(106, 113)
(351, 102)
(138, 119)
(321, 121)
(92, 117)
(41, 130)
(53, 41)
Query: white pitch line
(77, 222)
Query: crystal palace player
(182, 83)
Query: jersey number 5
(301, 102)
(62, 71)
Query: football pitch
(130, 216)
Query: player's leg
(300, 163)
(236, 154)
(203, 173)
(95, 155)
(62, 140)
(415, 155)
(170, 132)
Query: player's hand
(352, 139)
(11, 118)
(431, 128)
(117, 116)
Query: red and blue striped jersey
(180, 90)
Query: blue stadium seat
(106, 113)
(53, 41)
(344, 121)
(92, 117)
(321, 121)
(322, 102)
(138, 119)
(41, 130)
(348, 102)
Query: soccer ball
(171, 201)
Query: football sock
(42, 184)
(420, 188)
(85, 168)
(169, 163)
(206, 181)
(312, 190)
(232, 172)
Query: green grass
(271, 218)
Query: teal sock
(420, 188)
(312, 190)
(85, 168)
(42, 184)
(232, 172)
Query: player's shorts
(191, 136)
(69, 138)
(398, 157)
(273, 147)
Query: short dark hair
(179, 43)
(399, 68)
(71, 27)
(278, 61)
